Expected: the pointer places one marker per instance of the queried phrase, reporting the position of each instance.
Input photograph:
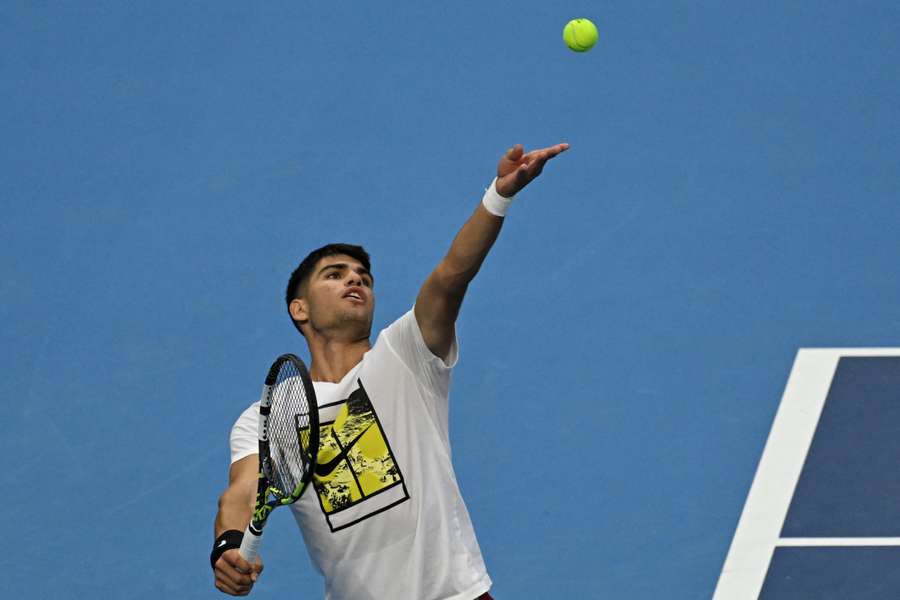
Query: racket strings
(289, 431)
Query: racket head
(289, 436)
(288, 443)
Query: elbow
(452, 280)
(235, 496)
(226, 498)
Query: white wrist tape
(494, 202)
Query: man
(384, 518)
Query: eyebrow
(341, 266)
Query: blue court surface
(820, 519)
(678, 375)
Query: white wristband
(494, 202)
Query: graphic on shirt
(357, 475)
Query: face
(338, 300)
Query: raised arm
(441, 296)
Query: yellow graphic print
(354, 461)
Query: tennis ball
(580, 35)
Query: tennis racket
(288, 444)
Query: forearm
(440, 298)
(469, 249)
(235, 508)
(233, 574)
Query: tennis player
(384, 518)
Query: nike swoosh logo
(322, 470)
(222, 543)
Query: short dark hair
(303, 271)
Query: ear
(299, 310)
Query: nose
(354, 278)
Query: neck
(332, 359)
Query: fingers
(234, 575)
(257, 569)
(545, 154)
(229, 586)
(515, 153)
(523, 174)
(230, 589)
(234, 559)
(517, 169)
(538, 158)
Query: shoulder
(402, 325)
(404, 339)
(250, 415)
(244, 438)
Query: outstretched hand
(517, 169)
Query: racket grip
(250, 545)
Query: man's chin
(358, 322)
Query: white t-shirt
(384, 518)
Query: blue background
(731, 194)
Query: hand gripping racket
(288, 444)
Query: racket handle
(250, 545)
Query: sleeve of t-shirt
(405, 338)
(245, 434)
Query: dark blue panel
(850, 484)
(862, 573)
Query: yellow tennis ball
(580, 35)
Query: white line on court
(815, 542)
(759, 529)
